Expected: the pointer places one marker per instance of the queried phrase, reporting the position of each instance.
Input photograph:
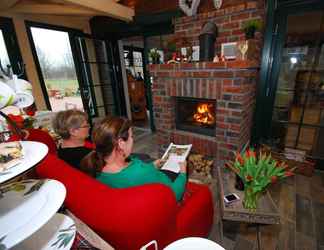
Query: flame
(204, 114)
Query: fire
(204, 114)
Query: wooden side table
(266, 212)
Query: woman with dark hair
(73, 127)
(113, 139)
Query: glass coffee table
(266, 213)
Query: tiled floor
(300, 200)
(145, 142)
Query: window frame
(72, 34)
(277, 12)
(12, 46)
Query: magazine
(174, 155)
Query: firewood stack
(200, 167)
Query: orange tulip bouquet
(257, 172)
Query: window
(3, 51)
(53, 52)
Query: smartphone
(229, 198)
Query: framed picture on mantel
(229, 50)
(195, 53)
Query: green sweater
(138, 173)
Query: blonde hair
(68, 119)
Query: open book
(174, 155)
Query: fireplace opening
(196, 115)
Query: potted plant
(154, 55)
(250, 27)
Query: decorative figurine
(216, 59)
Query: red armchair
(39, 136)
(131, 217)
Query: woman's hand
(183, 167)
(157, 163)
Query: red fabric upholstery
(88, 144)
(44, 137)
(39, 136)
(131, 217)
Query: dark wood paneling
(154, 6)
(149, 6)
(304, 222)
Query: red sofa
(131, 217)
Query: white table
(189, 243)
(26, 206)
(194, 243)
(33, 151)
(58, 233)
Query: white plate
(34, 152)
(26, 206)
(193, 243)
(58, 233)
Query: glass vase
(250, 199)
(239, 184)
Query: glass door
(3, 52)
(137, 89)
(100, 83)
(9, 48)
(298, 115)
(10, 57)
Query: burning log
(204, 114)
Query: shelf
(234, 64)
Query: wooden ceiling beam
(53, 9)
(109, 7)
(6, 4)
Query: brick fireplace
(229, 85)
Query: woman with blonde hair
(73, 127)
(113, 139)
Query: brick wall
(231, 84)
(229, 20)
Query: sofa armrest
(196, 209)
(141, 214)
(127, 218)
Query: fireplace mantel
(234, 64)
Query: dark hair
(105, 137)
(68, 119)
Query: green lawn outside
(62, 84)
